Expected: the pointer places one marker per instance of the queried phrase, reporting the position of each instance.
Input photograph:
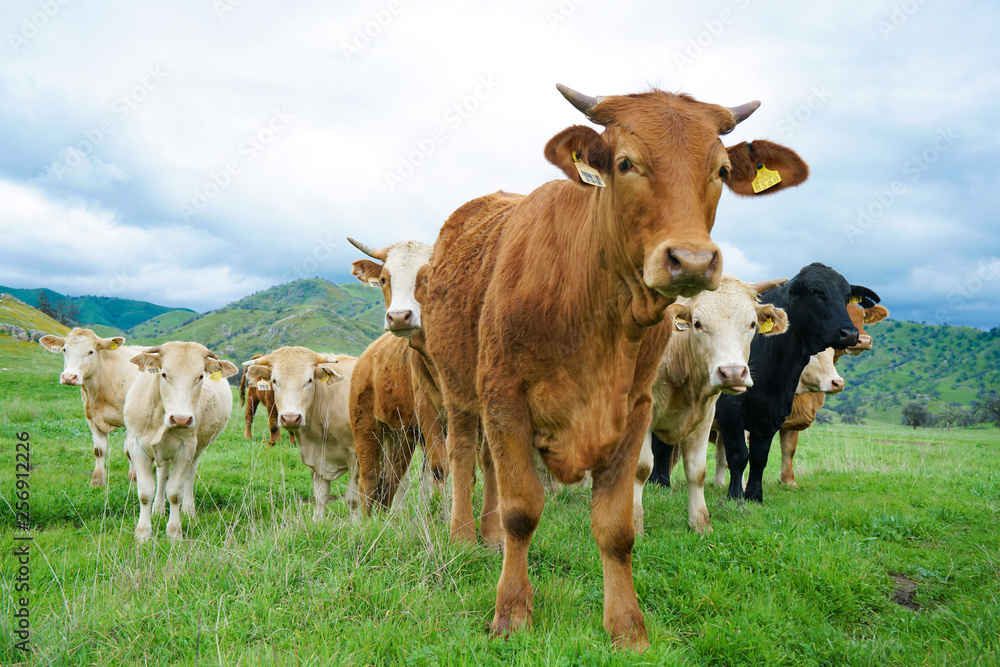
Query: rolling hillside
(908, 361)
(313, 313)
(16, 312)
(118, 314)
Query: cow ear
(110, 343)
(876, 314)
(776, 317)
(866, 297)
(755, 159)
(258, 372)
(325, 373)
(147, 361)
(680, 316)
(579, 144)
(225, 368)
(366, 270)
(52, 343)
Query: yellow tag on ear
(765, 179)
(854, 299)
(114, 346)
(869, 317)
(325, 378)
(767, 325)
(588, 174)
(682, 325)
(216, 376)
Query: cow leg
(760, 447)
(369, 453)
(160, 502)
(248, 414)
(351, 496)
(100, 453)
(321, 495)
(187, 501)
(435, 450)
(145, 485)
(489, 516)
(131, 466)
(397, 465)
(661, 461)
(720, 460)
(176, 480)
(642, 473)
(272, 422)
(737, 456)
(789, 443)
(463, 435)
(610, 521)
(521, 499)
(695, 453)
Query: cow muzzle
(864, 344)
(847, 337)
(733, 379)
(178, 420)
(71, 379)
(290, 419)
(401, 322)
(684, 269)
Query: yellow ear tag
(682, 325)
(324, 379)
(114, 346)
(216, 376)
(767, 325)
(765, 179)
(263, 385)
(588, 174)
(854, 299)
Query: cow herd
(586, 328)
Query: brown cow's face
(859, 318)
(665, 167)
(398, 278)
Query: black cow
(816, 302)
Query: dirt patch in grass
(903, 591)
(907, 442)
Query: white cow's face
(720, 326)
(181, 370)
(820, 375)
(294, 373)
(399, 278)
(82, 352)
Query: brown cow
(394, 398)
(543, 310)
(253, 394)
(806, 405)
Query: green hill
(119, 314)
(908, 361)
(314, 313)
(16, 312)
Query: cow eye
(201, 377)
(723, 172)
(90, 353)
(310, 381)
(697, 325)
(624, 165)
(163, 375)
(381, 282)
(753, 325)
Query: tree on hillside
(62, 310)
(951, 415)
(987, 408)
(916, 414)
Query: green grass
(805, 579)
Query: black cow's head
(817, 307)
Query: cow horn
(583, 103)
(741, 113)
(259, 360)
(380, 255)
(326, 359)
(765, 285)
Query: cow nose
(399, 319)
(865, 342)
(847, 337)
(836, 385)
(290, 419)
(181, 421)
(68, 379)
(732, 375)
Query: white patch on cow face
(294, 387)
(79, 358)
(820, 375)
(403, 262)
(181, 381)
(723, 324)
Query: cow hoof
(97, 479)
(493, 543)
(703, 530)
(463, 534)
(188, 509)
(630, 635)
(174, 530)
(790, 483)
(158, 507)
(504, 625)
(142, 535)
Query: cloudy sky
(190, 153)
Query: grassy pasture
(809, 578)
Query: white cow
(101, 368)
(175, 409)
(707, 354)
(311, 394)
